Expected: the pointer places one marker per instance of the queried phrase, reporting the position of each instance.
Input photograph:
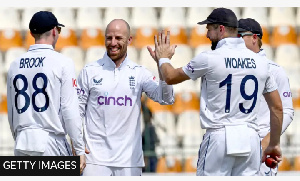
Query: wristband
(163, 60)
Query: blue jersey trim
(206, 152)
(58, 148)
(67, 148)
(40, 48)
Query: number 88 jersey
(41, 91)
(233, 80)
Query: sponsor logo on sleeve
(190, 68)
(287, 94)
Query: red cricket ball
(270, 162)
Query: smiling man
(110, 101)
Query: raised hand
(162, 47)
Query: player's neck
(256, 49)
(118, 62)
(43, 41)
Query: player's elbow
(277, 108)
(170, 80)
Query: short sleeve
(197, 67)
(270, 85)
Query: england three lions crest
(132, 82)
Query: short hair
(230, 30)
(40, 36)
(259, 42)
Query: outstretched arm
(276, 115)
(162, 54)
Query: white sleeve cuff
(163, 60)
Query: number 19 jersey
(41, 94)
(233, 80)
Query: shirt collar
(109, 63)
(40, 46)
(232, 42)
(262, 52)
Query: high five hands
(163, 49)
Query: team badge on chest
(132, 82)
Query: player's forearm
(75, 132)
(73, 123)
(11, 125)
(10, 113)
(265, 141)
(167, 93)
(165, 69)
(276, 126)
(159, 73)
(169, 74)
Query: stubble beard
(214, 44)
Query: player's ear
(254, 38)
(53, 32)
(129, 40)
(222, 28)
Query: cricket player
(109, 92)
(233, 81)
(41, 96)
(251, 31)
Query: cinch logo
(287, 94)
(120, 101)
(80, 91)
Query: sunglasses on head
(246, 34)
(58, 29)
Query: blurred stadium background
(177, 126)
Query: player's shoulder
(61, 57)
(273, 65)
(15, 63)
(94, 64)
(206, 55)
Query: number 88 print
(26, 96)
(253, 96)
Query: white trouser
(100, 170)
(57, 145)
(213, 159)
(267, 171)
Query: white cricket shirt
(110, 102)
(233, 81)
(41, 94)
(285, 93)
